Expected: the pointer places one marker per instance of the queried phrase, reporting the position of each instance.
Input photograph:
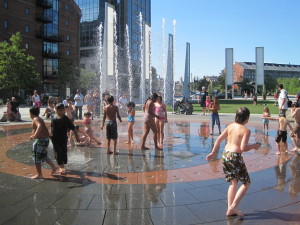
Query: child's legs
(158, 130)
(161, 127)
(115, 144)
(130, 130)
(108, 144)
(145, 134)
(50, 163)
(39, 170)
(239, 195)
(231, 192)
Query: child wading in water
(41, 135)
(266, 113)
(131, 114)
(60, 125)
(215, 107)
(88, 128)
(235, 170)
(207, 103)
(111, 112)
(281, 132)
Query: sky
(210, 26)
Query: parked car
(222, 95)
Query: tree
(290, 84)
(199, 83)
(270, 83)
(17, 69)
(220, 85)
(86, 80)
(68, 74)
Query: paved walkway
(174, 186)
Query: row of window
(48, 28)
(27, 11)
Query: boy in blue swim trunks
(235, 170)
(41, 135)
(215, 107)
(111, 112)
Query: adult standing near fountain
(202, 99)
(149, 123)
(36, 101)
(282, 100)
(78, 104)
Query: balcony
(48, 37)
(44, 19)
(44, 3)
(52, 55)
(50, 77)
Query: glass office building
(93, 13)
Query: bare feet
(144, 148)
(278, 153)
(128, 142)
(62, 171)
(53, 170)
(116, 153)
(37, 177)
(109, 152)
(132, 142)
(294, 149)
(158, 148)
(234, 212)
(99, 143)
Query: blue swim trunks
(39, 150)
(215, 119)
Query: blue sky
(213, 25)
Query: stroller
(183, 107)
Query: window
(27, 11)
(67, 22)
(26, 46)
(68, 37)
(5, 4)
(5, 24)
(67, 7)
(27, 29)
(68, 52)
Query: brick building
(49, 29)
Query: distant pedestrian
(202, 99)
(36, 101)
(282, 100)
(215, 107)
(78, 98)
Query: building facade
(246, 70)
(50, 31)
(93, 13)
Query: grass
(230, 106)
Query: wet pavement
(173, 186)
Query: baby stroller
(183, 107)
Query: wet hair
(60, 106)
(280, 86)
(87, 114)
(266, 109)
(160, 97)
(110, 99)
(77, 127)
(34, 110)
(242, 115)
(131, 104)
(154, 96)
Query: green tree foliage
(270, 84)
(68, 74)
(17, 69)
(199, 83)
(220, 85)
(86, 80)
(292, 85)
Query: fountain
(100, 56)
(150, 64)
(174, 57)
(129, 63)
(116, 55)
(163, 57)
(142, 77)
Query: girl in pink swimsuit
(88, 128)
(161, 112)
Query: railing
(44, 3)
(52, 55)
(49, 37)
(44, 19)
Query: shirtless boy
(111, 112)
(149, 122)
(296, 115)
(41, 135)
(235, 170)
(281, 132)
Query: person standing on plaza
(78, 98)
(160, 120)
(60, 125)
(282, 100)
(215, 107)
(149, 123)
(96, 97)
(89, 101)
(234, 167)
(202, 99)
(123, 103)
(36, 101)
(40, 134)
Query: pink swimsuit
(159, 111)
